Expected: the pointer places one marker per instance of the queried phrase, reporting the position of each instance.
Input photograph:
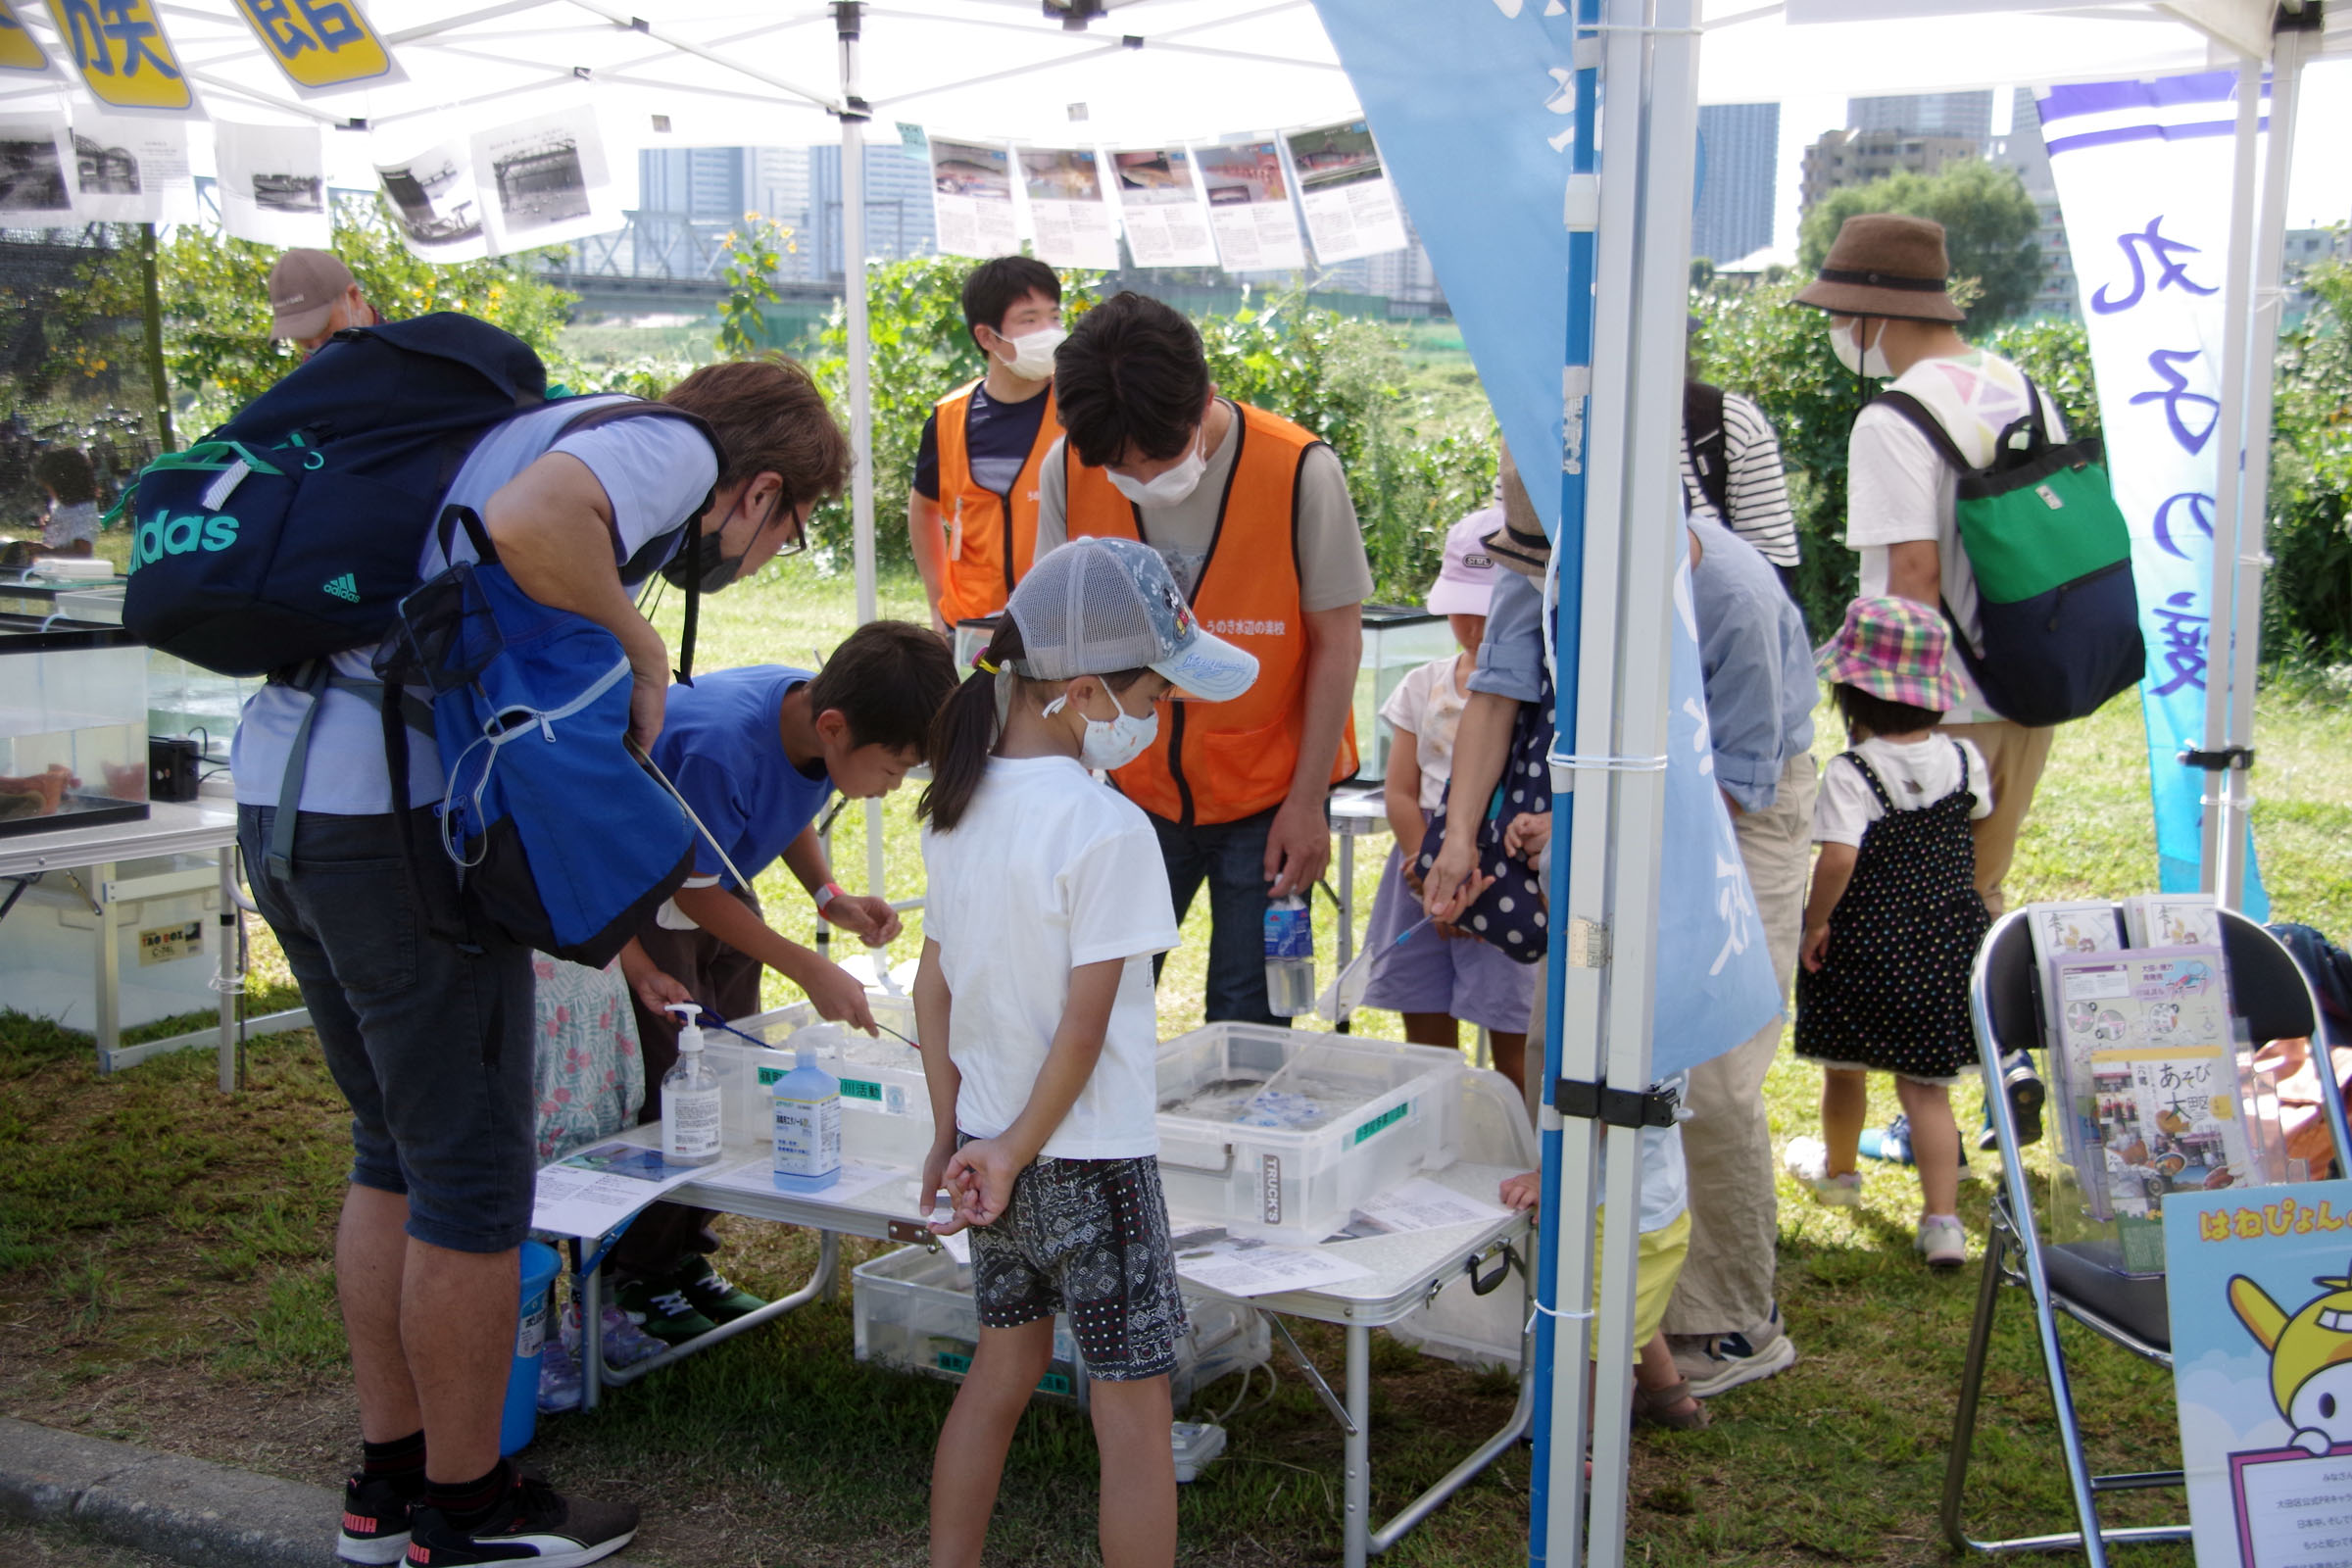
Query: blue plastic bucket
(519, 1422)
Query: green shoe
(663, 1310)
(714, 1295)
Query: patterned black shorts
(1089, 1237)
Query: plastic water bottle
(692, 1124)
(1289, 958)
(807, 1116)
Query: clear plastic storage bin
(72, 730)
(914, 1310)
(885, 1102)
(183, 699)
(1396, 642)
(1280, 1134)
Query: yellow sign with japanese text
(124, 59)
(19, 50)
(321, 45)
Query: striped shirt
(1757, 492)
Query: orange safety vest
(1221, 761)
(991, 538)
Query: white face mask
(1112, 744)
(1846, 343)
(1033, 353)
(1166, 489)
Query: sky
(2320, 184)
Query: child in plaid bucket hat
(1893, 920)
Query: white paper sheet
(130, 171)
(1238, 1268)
(273, 184)
(1349, 204)
(544, 181)
(857, 1178)
(1162, 207)
(436, 205)
(1066, 206)
(36, 161)
(576, 1198)
(972, 199)
(1421, 1204)
(1249, 206)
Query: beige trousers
(1727, 1283)
(2014, 758)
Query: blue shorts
(1462, 977)
(430, 1044)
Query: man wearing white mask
(971, 517)
(1253, 516)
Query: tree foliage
(2307, 614)
(1988, 226)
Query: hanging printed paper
(545, 180)
(34, 157)
(435, 204)
(19, 50)
(123, 56)
(972, 199)
(1250, 207)
(128, 170)
(1160, 204)
(1067, 209)
(2143, 171)
(1351, 207)
(2260, 1298)
(323, 46)
(273, 184)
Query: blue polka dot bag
(1510, 913)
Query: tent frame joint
(2240, 758)
(1618, 1107)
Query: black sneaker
(718, 1297)
(531, 1524)
(375, 1520)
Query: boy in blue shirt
(756, 753)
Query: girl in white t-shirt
(1046, 902)
(1893, 920)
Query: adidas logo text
(346, 587)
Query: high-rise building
(1740, 154)
(1926, 113)
(687, 197)
(898, 207)
(2021, 150)
(1858, 157)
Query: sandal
(1659, 1407)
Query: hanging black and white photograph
(545, 180)
(272, 187)
(103, 170)
(290, 193)
(436, 202)
(542, 184)
(131, 170)
(32, 168)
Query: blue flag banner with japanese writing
(2143, 171)
(1470, 100)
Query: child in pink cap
(1437, 979)
(1893, 920)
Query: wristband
(828, 894)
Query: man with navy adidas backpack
(421, 1005)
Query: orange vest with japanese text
(991, 538)
(1221, 761)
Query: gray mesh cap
(1095, 606)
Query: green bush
(2306, 610)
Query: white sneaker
(1808, 1160)
(1942, 1242)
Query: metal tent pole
(2243, 650)
(2230, 443)
(847, 15)
(158, 378)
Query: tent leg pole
(158, 380)
(848, 18)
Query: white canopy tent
(684, 72)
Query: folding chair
(2269, 993)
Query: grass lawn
(164, 1278)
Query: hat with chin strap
(1884, 265)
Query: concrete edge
(190, 1510)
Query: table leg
(227, 929)
(1356, 1482)
(1347, 911)
(110, 969)
(818, 1287)
(589, 1298)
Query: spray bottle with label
(692, 1124)
(807, 1115)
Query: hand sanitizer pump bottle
(691, 1118)
(807, 1116)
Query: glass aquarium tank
(189, 701)
(1398, 639)
(73, 729)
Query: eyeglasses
(798, 544)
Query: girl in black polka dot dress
(1893, 921)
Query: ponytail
(965, 734)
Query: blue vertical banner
(2144, 171)
(1472, 103)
